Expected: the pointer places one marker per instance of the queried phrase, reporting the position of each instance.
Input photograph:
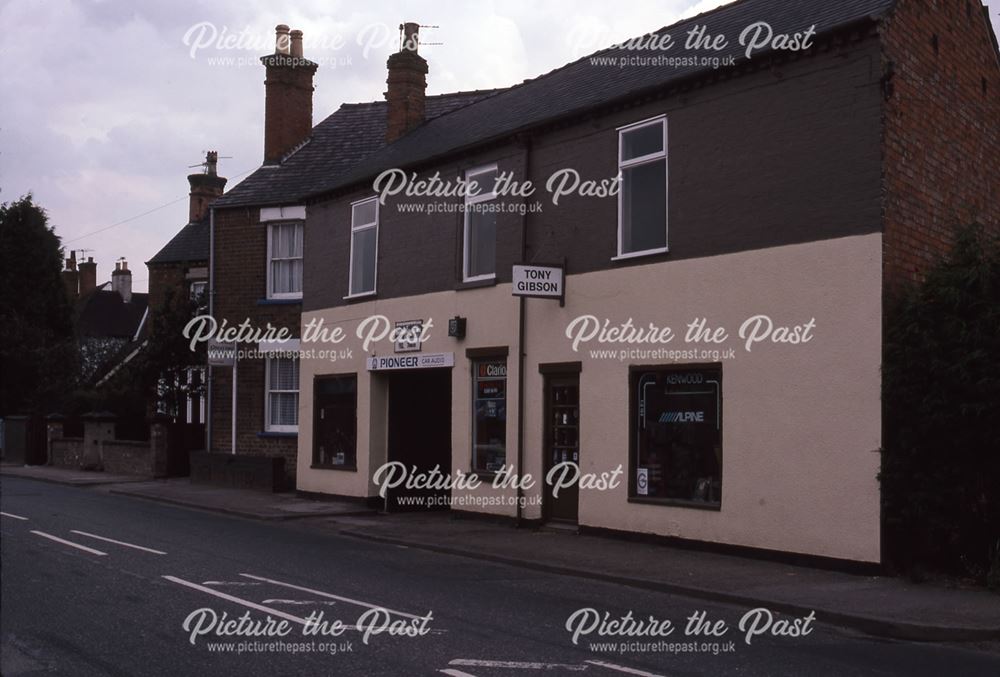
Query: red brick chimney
(288, 95)
(71, 278)
(205, 187)
(88, 276)
(407, 83)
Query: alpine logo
(682, 417)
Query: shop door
(562, 443)
(419, 433)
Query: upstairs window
(364, 246)
(642, 201)
(284, 261)
(480, 237)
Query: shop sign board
(410, 361)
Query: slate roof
(337, 143)
(580, 85)
(191, 244)
(103, 314)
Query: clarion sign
(410, 361)
(539, 281)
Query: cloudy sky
(106, 103)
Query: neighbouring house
(802, 185)
(257, 235)
(108, 319)
(178, 273)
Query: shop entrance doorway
(419, 434)
(562, 443)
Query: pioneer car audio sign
(547, 282)
(410, 361)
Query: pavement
(180, 491)
(876, 605)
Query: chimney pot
(296, 47)
(121, 280)
(411, 37)
(281, 39)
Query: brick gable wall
(941, 131)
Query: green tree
(159, 372)
(941, 393)
(38, 353)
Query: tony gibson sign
(546, 282)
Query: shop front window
(676, 435)
(335, 429)
(489, 412)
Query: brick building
(178, 273)
(257, 236)
(802, 185)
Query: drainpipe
(211, 311)
(526, 141)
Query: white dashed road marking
(516, 665)
(626, 670)
(13, 516)
(332, 596)
(237, 600)
(122, 543)
(69, 543)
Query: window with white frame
(642, 200)
(282, 394)
(284, 260)
(480, 236)
(364, 246)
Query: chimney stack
(205, 187)
(121, 280)
(407, 85)
(88, 276)
(71, 278)
(288, 88)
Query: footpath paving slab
(70, 476)
(877, 605)
(254, 504)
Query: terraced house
(256, 234)
(760, 205)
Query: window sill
(676, 503)
(277, 433)
(645, 252)
(350, 298)
(280, 302)
(324, 466)
(477, 283)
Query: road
(84, 605)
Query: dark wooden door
(562, 443)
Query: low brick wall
(128, 458)
(98, 450)
(66, 452)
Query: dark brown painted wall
(786, 155)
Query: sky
(106, 104)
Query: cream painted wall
(801, 423)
